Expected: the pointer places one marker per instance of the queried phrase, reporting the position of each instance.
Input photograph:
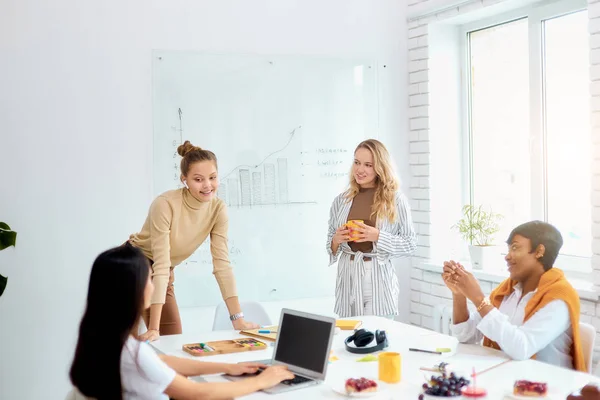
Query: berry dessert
(360, 385)
(588, 392)
(531, 389)
(444, 386)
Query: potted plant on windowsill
(7, 238)
(478, 227)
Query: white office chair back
(588, 338)
(252, 310)
(74, 394)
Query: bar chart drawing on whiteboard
(266, 183)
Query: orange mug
(352, 225)
(390, 367)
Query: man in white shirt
(534, 313)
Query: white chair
(74, 394)
(587, 334)
(252, 310)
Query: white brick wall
(419, 139)
(426, 289)
(594, 29)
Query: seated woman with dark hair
(111, 364)
(532, 314)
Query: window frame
(577, 266)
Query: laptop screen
(303, 342)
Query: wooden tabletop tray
(223, 347)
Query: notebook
(266, 336)
(348, 324)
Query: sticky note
(368, 358)
(443, 350)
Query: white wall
(76, 130)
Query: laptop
(303, 345)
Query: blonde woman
(366, 281)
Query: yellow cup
(390, 367)
(352, 225)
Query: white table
(463, 358)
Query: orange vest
(552, 286)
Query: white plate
(340, 388)
(551, 394)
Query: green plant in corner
(478, 226)
(8, 238)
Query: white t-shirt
(144, 376)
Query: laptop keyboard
(294, 381)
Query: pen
(425, 351)
(265, 331)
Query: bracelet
(157, 330)
(484, 302)
(235, 316)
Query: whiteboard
(283, 129)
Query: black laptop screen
(303, 342)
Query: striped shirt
(397, 239)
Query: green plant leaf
(477, 226)
(4, 226)
(7, 239)
(3, 281)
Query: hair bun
(186, 147)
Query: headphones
(363, 337)
(185, 184)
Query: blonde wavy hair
(386, 182)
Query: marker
(206, 347)
(425, 351)
(265, 331)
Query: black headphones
(363, 337)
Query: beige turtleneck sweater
(177, 224)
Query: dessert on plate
(588, 392)
(360, 385)
(530, 389)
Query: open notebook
(272, 336)
(348, 324)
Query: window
(499, 100)
(568, 158)
(528, 130)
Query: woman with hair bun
(178, 222)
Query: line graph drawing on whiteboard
(177, 132)
(265, 183)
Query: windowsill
(584, 288)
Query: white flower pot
(483, 255)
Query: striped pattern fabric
(396, 240)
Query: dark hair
(192, 154)
(114, 305)
(539, 232)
